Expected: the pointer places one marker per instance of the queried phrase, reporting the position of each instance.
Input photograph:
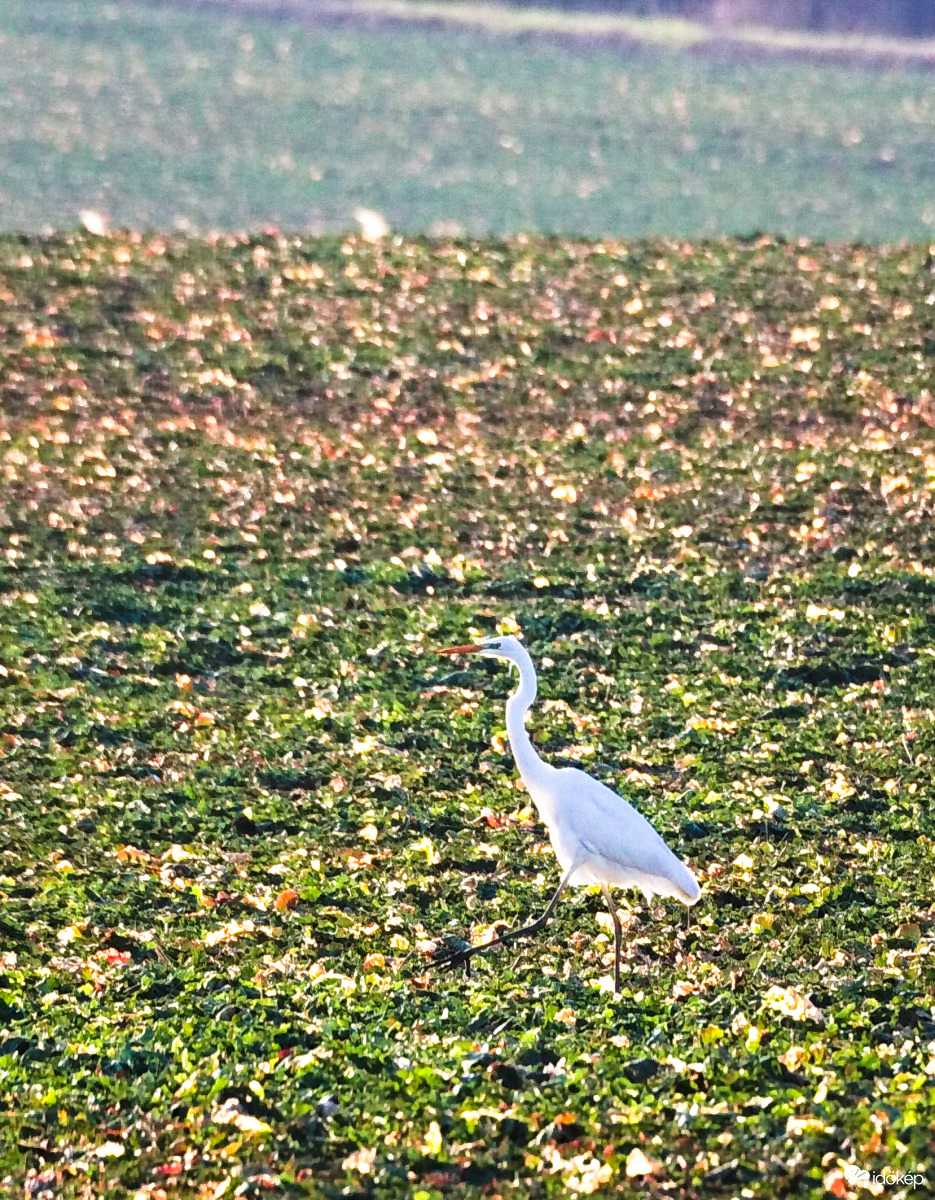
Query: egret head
(506, 647)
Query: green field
(160, 118)
(247, 487)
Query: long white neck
(530, 765)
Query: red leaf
(287, 899)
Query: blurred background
(593, 117)
(908, 18)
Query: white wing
(607, 839)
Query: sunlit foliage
(247, 486)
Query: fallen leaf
(485, 934)
(288, 898)
(793, 1004)
(70, 932)
(110, 1150)
(433, 1139)
(793, 1058)
(805, 1125)
(131, 854)
(590, 1175)
(229, 932)
(231, 1113)
(639, 1164)
(361, 1160)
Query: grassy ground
(248, 486)
(158, 117)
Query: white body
(597, 836)
(601, 838)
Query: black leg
(618, 935)
(457, 957)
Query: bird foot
(455, 958)
(463, 953)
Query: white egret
(597, 836)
